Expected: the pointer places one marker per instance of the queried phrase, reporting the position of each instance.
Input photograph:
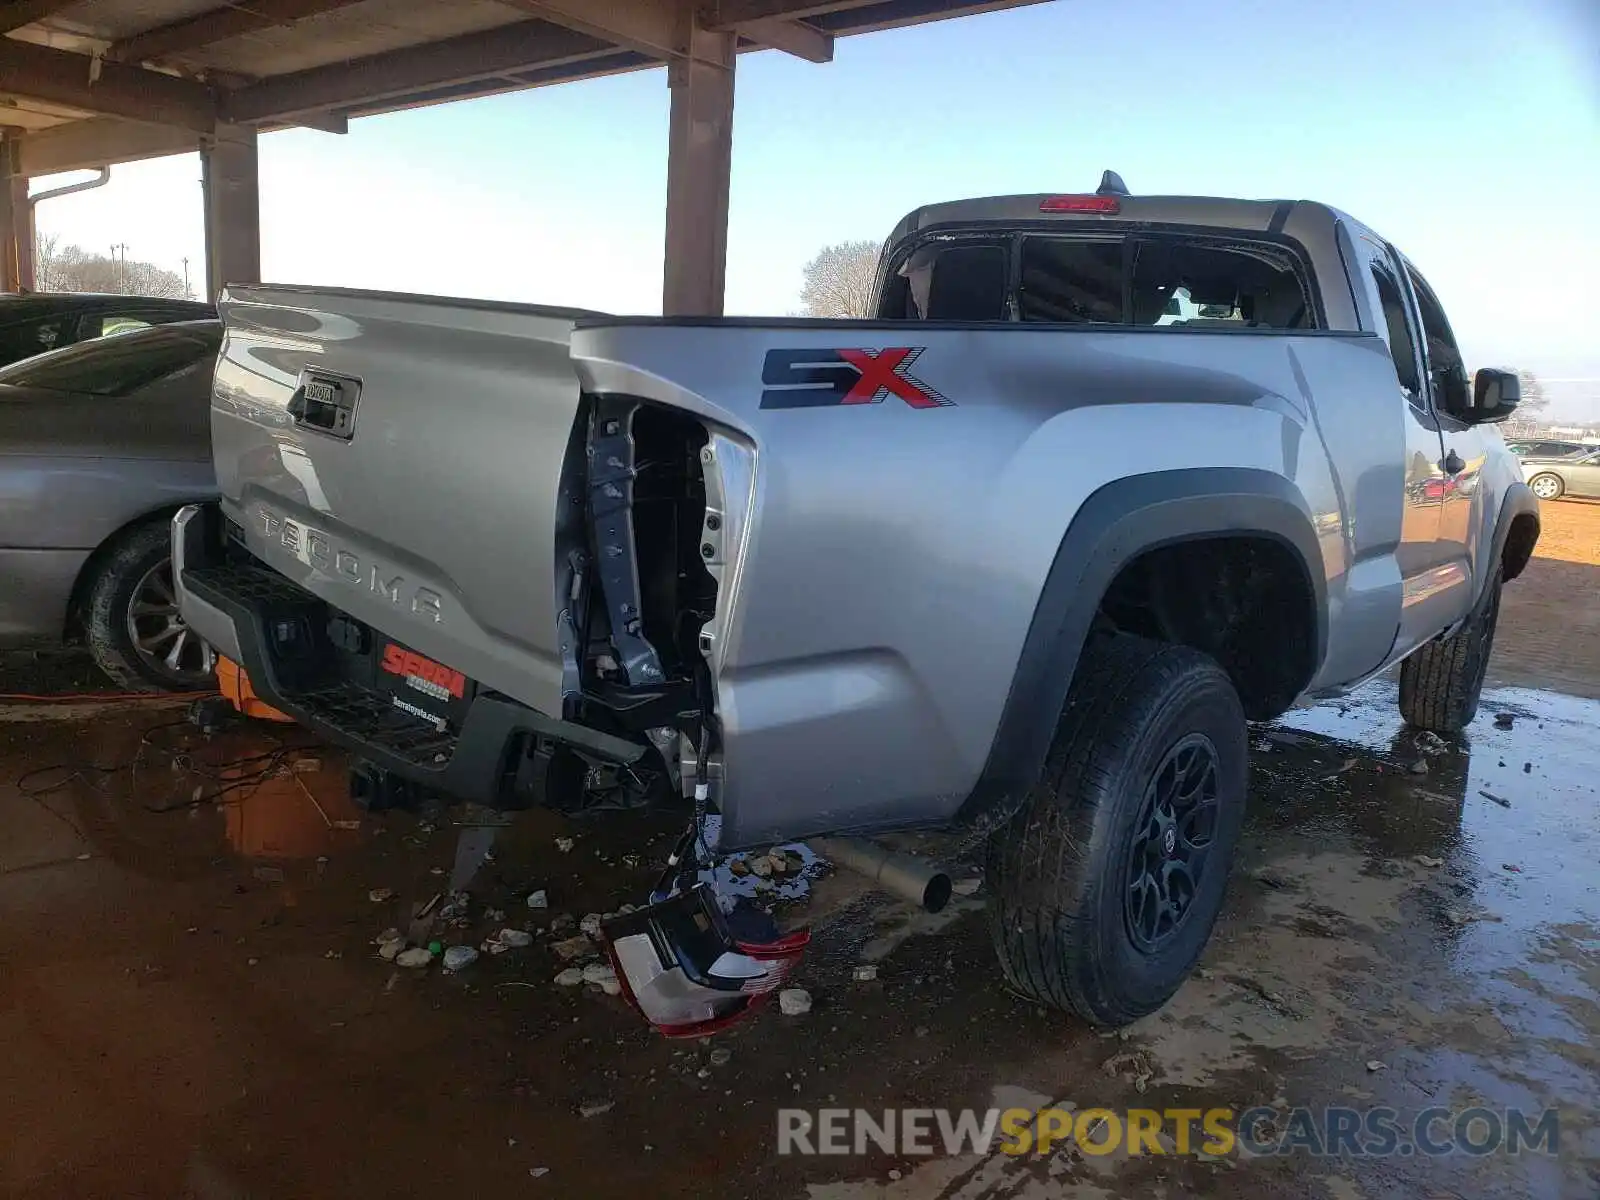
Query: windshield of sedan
(118, 365)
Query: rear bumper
(270, 626)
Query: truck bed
(850, 527)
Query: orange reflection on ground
(294, 815)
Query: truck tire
(1441, 681)
(1108, 881)
(131, 622)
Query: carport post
(16, 222)
(228, 172)
(699, 162)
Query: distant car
(1552, 478)
(1548, 449)
(99, 444)
(35, 322)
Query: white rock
(966, 887)
(794, 1002)
(417, 956)
(760, 867)
(458, 958)
(571, 977)
(514, 939)
(591, 924)
(539, 899)
(598, 972)
(390, 950)
(564, 845)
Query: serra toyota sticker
(823, 378)
(426, 676)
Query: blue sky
(1469, 134)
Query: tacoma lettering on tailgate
(318, 549)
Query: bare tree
(838, 281)
(1530, 415)
(59, 268)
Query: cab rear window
(1150, 279)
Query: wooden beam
(644, 26)
(14, 14)
(99, 142)
(792, 37)
(16, 222)
(229, 174)
(58, 77)
(699, 169)
(492, 54)
(217, 25)
(327, 122)
(734, 14)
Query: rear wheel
(1440, 682)
(1547, 487)
(1109, 880)
(133, 626)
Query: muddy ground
(191, 1003)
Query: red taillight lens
(1083, 204)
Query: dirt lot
(191, 1003)
(1550, 618)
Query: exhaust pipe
(911, 879)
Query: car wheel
(1441, 681)
(133, 626)
(1109, 880)
(1547, 487)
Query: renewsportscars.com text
(1212, 1132)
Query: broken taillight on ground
(692, 969)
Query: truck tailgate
(401, 457)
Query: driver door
(1431, 584)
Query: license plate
(423, 688)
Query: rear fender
(1119, 522)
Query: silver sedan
(99, 443)
(1552, 478)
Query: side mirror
(1495, 396)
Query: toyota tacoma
(1105, 478)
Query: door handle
(1453, 464)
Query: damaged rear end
(433, 548)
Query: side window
(108, 325)
(30, 338)
(113, 366)
(1402, 346)
(1446, 371)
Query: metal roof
(88, 81)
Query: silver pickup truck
(1107, 477)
